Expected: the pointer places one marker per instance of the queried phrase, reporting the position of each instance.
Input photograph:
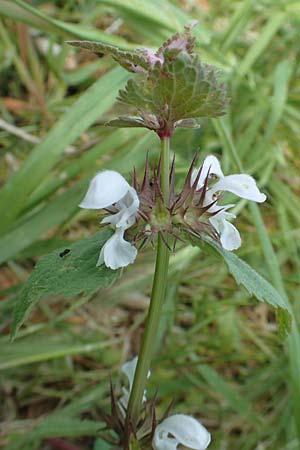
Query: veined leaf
(181, 89)
(187, 123)
(129, 60)
(127, 122)
(256, 285)
(68, 272)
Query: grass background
(219, 355)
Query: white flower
(129, 369)
(242, 185)
(180, 429)
(116, 252)
(125, 210)
(229, 236)
(111, 191)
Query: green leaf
(187, 123)
(256, 285)
(172, 84)
(181, 89)
(131, 61)
(68, 272)
(127, 122)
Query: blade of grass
(237, 24)
(92, 104)
(165, 16)
(264, 39)
(90, 161)
(293, 340)
(24, 12)
(28, 351)
(229, 393)
(50, 215)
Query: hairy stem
(156, 302)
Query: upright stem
(156, 302)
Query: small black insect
(65, 252)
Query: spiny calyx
(186, 214)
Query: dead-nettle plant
(171, 88)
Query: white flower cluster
(173, 431)
(242, 185)
(109, 190)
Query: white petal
(185, 430)
(210, 164)
(222, 215)
(117, 252)
(242, 185)
(105, 189)
(128, 207)
(209, 199)
(229, 236)
(129, 369)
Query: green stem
(156, 303)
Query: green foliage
(126, 59)
(127, 122)
(67, 272)
(181, 89)
(22, 11)
(256, 285)
(209, 322)
(52, 427)
(172, 84)
(84, 112)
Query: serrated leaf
(182, 89)
(178, 42)
(256, 285)
(127, 122)
(67, 272)
(172, 85)
(131, 61)
(187, 123)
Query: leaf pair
(73, 271)
(172, 87)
